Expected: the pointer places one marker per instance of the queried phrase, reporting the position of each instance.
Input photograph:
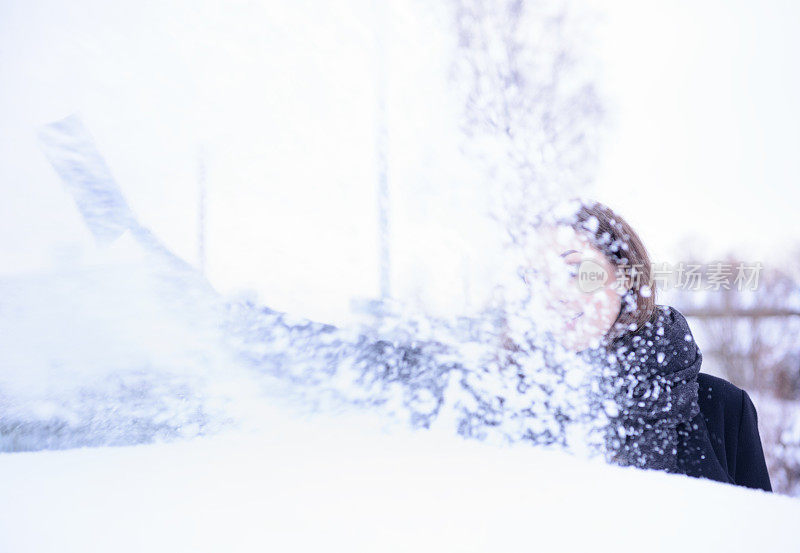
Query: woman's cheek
(604, 308)
(611, 312)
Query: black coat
(722, 442)
(675, 417)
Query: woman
(595, 277)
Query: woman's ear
(622, 282)
(628, 284)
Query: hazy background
(278, 101)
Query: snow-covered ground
(120, 354)
(344, 485)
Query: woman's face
(581, 294)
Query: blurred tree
(531, 110)
(754, 337)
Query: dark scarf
(652, 376)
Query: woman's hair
(611, 234)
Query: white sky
(702, 138)
(705, 123)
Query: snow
(347, 485)
(229, 429)
(246, 467)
